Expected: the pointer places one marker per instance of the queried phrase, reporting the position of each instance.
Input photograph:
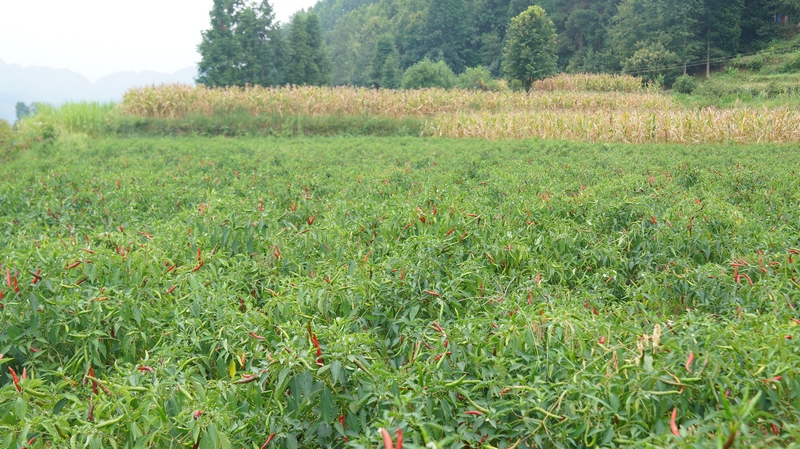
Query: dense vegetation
(218, 293)
(654, 39)
(593, 36)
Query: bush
(478, 78)
(6, 133)
(791, 64)
(646, 62)
(426, 74)
(685, 84)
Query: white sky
(99, 37)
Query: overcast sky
(99, 37)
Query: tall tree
(447, 33)
(243, 45)
(384, 50)
(219, 50)
(723, 28)
(671, 26)
(530, 51)
(307, 61)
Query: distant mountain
(46, 85)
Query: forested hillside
(593, 35)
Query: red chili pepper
(774, 379)
(400, 431)
(689, 361)
(310, 220)
(15, 378)
(796, 321)
(24, 373)
(94, 383)
(473, 412)
(450, 232)
(602, 340)
(775, 429)
(198, 267)
(197, 413)
(387, 439)
(199, 254)
(37, 276)
(438, 328)
(269, 440)
(402, 274)
(341, 421)
(672, 424)
(16, 288)
(367, 256)
(257, 337)
(432, 293)
(30, 442)
(146, 368)
(172, 289)
(75, 264)
(8, 277)
(246, 379)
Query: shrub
(6, 133)
(426, 74)
(648, 61)
(685, 84)
(478, 78)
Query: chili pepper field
(283, 293)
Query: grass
(212, 292)
(768, 79)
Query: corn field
(743, 126)
(590, 82)
(178, 101)
(589, 108)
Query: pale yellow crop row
(590, 82)
(743, 126)
(178, 101)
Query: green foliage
(530, 50)
(458, 290)
(478, 78)
(685, 84)
(385, 69)
(6, 136)
(426, 74)
(446, 33)
(23, 110)
(307, 62)
(653, 63)
(594, 36)
(243, 45)
(391, 75)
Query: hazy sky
(99, 37)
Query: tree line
(407, 43)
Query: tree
(307, 61)
(243, 45)
(652, 24)
(22, 110)
(446, 33)
(723, 28)
(261, 46)
(384, 50)
(530, 50)
(426, 74)
(391, 76)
